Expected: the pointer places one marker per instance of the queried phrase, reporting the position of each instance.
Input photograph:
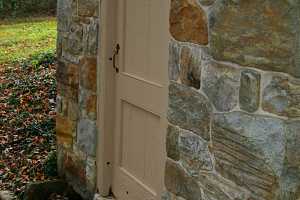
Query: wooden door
(141, 99)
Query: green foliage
(25, 8)
(40, 59)
(50, 166)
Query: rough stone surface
(64, 130)
(86, 136)
(194, 153)
(88, 8)
(180, 183)
(221, 85)
(189, 109)
(250, 151)
(292, 144)
(172, 142)
(216, 187)
(188, 22)
(174, 58)
(77, 47)
(88, 74)
(190, 66)
(250, 90)
(258, 33)
(281, 96)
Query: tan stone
(257, 33)
(64, 130)
(68, 74)
(88, 73)
(91, 104)
(188, 22)
(67, 91)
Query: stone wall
(77, 100)
(234, 100)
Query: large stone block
(257, 33)
(172, 142)
(180, 183)
(68, 91)
(292, 144)
(174, 59)
(88, 104)
(67, 74)
(87, 136)
(216, 187)
(194, 153)
(190, 66)
(90, 37)
(88, 73)
(65, 10)
(281, 96)
(188, 22)
(73, 43)
(189, 110)
(65, 130)
(250, 90)
(221, 85)
(250, 151)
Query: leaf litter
(27, 122)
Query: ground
(27, 102)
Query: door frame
(105, 105)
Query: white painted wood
(141, 99)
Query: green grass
(23, 38)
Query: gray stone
(221, 85)
(194, 153)
(216, 187)
(249, 150)
(90, 37)
(172, 142)
(292, 144)
(189, 110)
(281, 96)
(289, 184)
(190, 66)
(271, 41)
(250, 90)
(86, 136)
(91, 173)
(180, 183)
(65, 10)
(174, 59)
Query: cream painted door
(141, 99)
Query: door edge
(105, 81)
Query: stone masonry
(234, 100)
(77, 100)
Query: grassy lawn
(24, 38)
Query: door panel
(141, 99)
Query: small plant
(51, 164)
